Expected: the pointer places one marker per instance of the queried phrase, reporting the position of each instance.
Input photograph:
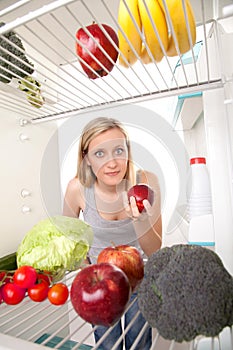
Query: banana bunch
(130, 22)
(147, 20)
(176, 12)
(158, 24)
(32, 88)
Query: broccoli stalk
(186, 291)
(14, 64)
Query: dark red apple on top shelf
(127, 258)
(100, 293)
(141, 192)
(86, 45)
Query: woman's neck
(109, 201)
(105, 190)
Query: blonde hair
(90, 131)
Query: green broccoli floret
(186, 291)
(15, 67)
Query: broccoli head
(186, 291)
(14, 65)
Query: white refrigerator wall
(24, 152)
(218, 125)
(30, 192)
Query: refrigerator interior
(176, 109)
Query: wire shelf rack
(50, 46)
(60, 327)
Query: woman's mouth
(112, 173)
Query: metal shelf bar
(34, 14)
(166, 93)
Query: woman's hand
(147, 224)
(132, 209)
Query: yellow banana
(127, 25)
(145, 57)
(160, 23)
(176, 12)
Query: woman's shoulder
(75, 194)
(145, 176)
(74, 184)
(75, 189)
(72, 187)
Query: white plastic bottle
(200, 202)
(201, 227)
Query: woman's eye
(119, 151)
(99, 154)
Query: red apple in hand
(100, 293)
(141, 192)
(127, 258)
(90, 45)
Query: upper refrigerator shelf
(42, 75)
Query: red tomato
(2, 275)
(44, 276)
(58, 294)
(25, 276)
(1, 299)
(12, 294)
(39, 291)
(5, 276)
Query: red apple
(141, 192)
(100, 293)
(127, 258)
(89, 44)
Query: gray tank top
(106, 231)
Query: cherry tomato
(12, 294)
(39, 291)
(44, 276)
(2, 276)
(1, 299)
(25, 276)
(58, 294)
(5, 277)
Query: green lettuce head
(56, 244)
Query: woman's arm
(149, 234)
(148, 225)
(73, 200)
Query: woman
(99, 190)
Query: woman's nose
(112, 162)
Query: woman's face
(108, 156)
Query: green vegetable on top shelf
(13, 61)
(32, 88)
(57, 244)
(186, 292)
(14, 64)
